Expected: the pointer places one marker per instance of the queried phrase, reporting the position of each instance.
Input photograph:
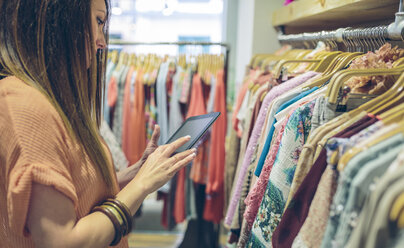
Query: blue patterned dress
(270, 212)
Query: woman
(58, 187)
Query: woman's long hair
(47, 43)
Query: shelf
(315, 15)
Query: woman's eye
(99, 21)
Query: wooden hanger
(113, 56)
(122, 60)
(393, 115)
(340, 62)
(397, 91)
(356, 150)
(338, 80)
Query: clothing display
(165, 91)
(307, 150)
(303, 169)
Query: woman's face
(98, 19)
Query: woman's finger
(182, 163)
(180, 156)
(156, 134)
(171, 148)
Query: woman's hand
(126, 175)
(159, 167)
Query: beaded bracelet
(115, 221)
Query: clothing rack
(195, 228)
(180, 43)
(353, 38)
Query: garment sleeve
(39, 152)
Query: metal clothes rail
(353, 37)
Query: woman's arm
(52, 221)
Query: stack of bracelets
(120, 216)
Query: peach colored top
(36, 148)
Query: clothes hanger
(271, 61)
(341, 62)
(336, 83)
(113, 56)
(395, 114)
(122, 60)
(320, 62)
(356, 150)
(396, 214)
(338, 80)
(396, 88)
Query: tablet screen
(195, 127)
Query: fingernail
(193, 155)
(193, 150)
(188, 137)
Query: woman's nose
(101, 44)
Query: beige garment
(236, 223)
(232, 154)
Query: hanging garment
(306, 159)
(118, 157)
(150, 111)
(345, 182)
(196, 107)
(294, 98)
(175, 115)
(232, 154)
(118, 112)
(215, 186)
(137, 131)
(256, 193)
(199, 170)
(128, 108)
(161, 97)
(110, 68)
(236, 223)
(312, 231)
(112, 92)
(240, 99)
(294, 136)
(276, 91)
(186, 85)
(378, 205)
(366, 179)
(296, 212)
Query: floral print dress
(270, 212)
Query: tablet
(195, 127)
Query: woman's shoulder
(24, 109)
(20, 99)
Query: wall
(254, 32)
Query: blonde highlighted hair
(47, 43)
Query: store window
(167, 21)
